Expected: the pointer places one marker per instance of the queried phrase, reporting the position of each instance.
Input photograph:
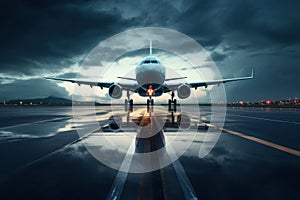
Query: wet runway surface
(43, 157)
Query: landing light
(150, 91)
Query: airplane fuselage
(150, 74)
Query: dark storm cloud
(216, 56)
(33, 88)
(254, 25)
(49, 35)
(261, 35)
(276, 78)
(43, 36)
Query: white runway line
(261, 118)
(183, 179)
(119, 182)
(254, 139)
(36, 122)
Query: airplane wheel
(175, 104)
(170, 104)
(131, 104)
(126, 105)
(148, 103)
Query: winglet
(252, 74)
(150, 49)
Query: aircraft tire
(175, 104)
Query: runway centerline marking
(264, 142)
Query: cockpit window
(150, 61)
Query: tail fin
(150, 49)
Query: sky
(53, 37)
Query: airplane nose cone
(150, 74)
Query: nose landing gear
(150, 103)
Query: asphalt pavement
(43, 157)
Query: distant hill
(51, 100)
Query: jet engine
(184, 91)
(115, 91)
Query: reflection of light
(68, 127)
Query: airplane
(151, 82)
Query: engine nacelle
(115, 91)
(184, 91)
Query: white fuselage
(150, 71)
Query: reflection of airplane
(151, 81)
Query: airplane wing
(126, 78)
(176, 78)
(169, 87)
(130, 87)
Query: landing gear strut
(172, 101)
(150, 102)
(128, 102)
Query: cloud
(48, 37)
(236, 24)
(216, 56)
(32, 88)
(41, 37)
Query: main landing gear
(172, 101)
(128, 103)
(150, 102)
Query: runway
(42, 157)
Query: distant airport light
(241, 102)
